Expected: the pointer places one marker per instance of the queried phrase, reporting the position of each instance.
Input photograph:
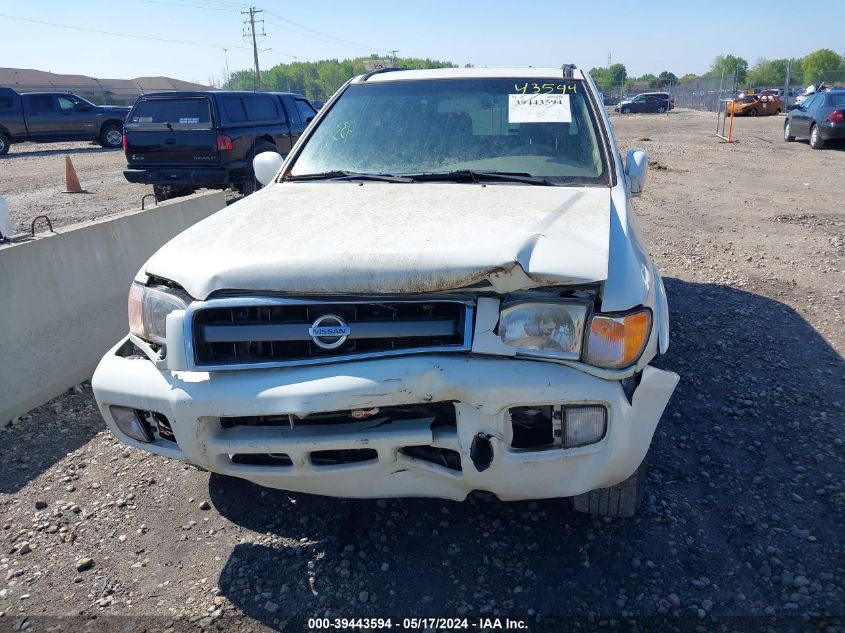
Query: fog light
(584, 425)
(128, 422)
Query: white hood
(370, 238)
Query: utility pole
(228, 77)
(393, 57)
(252, 12)
(786, 85)
(295, 59)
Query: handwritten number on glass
(546, 88)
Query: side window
(306, 110)
(290, 109)
(812, 102)
(42, 103)
(260, 108)
(234, 108)
(65, 104)
(5, 103)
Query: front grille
(230, 333)
(442, 414)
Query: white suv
(441, 290)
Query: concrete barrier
(63, 297)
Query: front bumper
(481, 388)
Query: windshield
(540, 128)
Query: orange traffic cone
(71, 179)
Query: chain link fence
(710, 93)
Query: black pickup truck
(182, 141)
(48, 117)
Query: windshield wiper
(474, 176)
(349, 175)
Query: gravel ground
(32, 179)
(742, 528)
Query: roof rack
(380, 70)
(567, 70)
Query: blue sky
(645, 36)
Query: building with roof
(104, 91)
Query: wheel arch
(109, 122)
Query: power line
(137, 37)
(320, 33)
(191, 6)
(318, 38)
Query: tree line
(823, 65)
(320, 79)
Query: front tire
(816, 140)
(787, 137)
(111, 136)
(752, 112)
(626, 110)
(4, 144)
(619, 501)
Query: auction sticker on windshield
(539, 108)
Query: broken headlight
(148, 310)
(552, 330)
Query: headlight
(616, 342)
(148, 310)
(553, 330)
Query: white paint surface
(483, 388)
(345, 238)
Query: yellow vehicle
(755, 105)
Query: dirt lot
(742, 528)
(32, 179)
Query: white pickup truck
(441, 289)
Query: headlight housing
(546, 329)
(148, 309)
(568, 330)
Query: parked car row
(175, 141)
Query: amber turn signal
(615, 342)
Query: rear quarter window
(260, 108)
(186, 113)
(234, 108)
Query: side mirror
(266, 165)
(81, 107)
(636, 165)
